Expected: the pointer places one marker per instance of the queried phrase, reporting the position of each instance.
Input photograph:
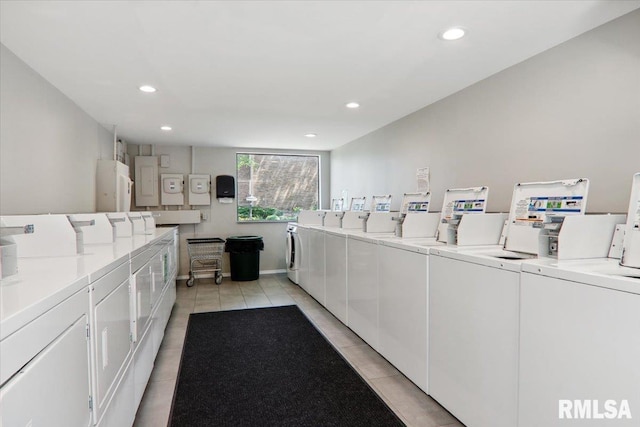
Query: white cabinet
(53, 389)
(336, 275)
(577, 342)
(362, 289)
(403, 311)
(473, 341)
(316, 284)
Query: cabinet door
(112, 342)
(362, 290)
(53, 388)
(577, 342)
(403, 312)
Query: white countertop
(490, 255)
(42, 283)
(415, 244)
(421, 245)
(601, 272)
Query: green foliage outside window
(275, 187)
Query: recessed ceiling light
(147, 88)
(451, 34)
(165, 127)
(311, 135)
(353, 105)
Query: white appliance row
(378, 288)
(476, 336)
(79, 333)
(496, 336)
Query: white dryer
(293, 253)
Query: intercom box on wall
(225, 187)
(199, 189)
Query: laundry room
(414, 213)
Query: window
(275, 187)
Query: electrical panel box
(146, 180)
(200, 190)
(172, 189)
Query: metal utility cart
(205, 256)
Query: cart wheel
(218, 278)
(190, 280)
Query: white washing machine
(579, 323)
(474, 309)
(579, 342)
(293, 253)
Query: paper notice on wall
(636, 222)
(422, 177)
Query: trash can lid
(245, 238)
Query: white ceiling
(263, 74)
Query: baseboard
(212, 275)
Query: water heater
(113, 187)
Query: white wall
(221, 220)
(48, 146)
(572, 111)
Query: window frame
(292, 154)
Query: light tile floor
(412, 405)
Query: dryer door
(289, 250)
(294, 261)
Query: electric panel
(146, 180)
